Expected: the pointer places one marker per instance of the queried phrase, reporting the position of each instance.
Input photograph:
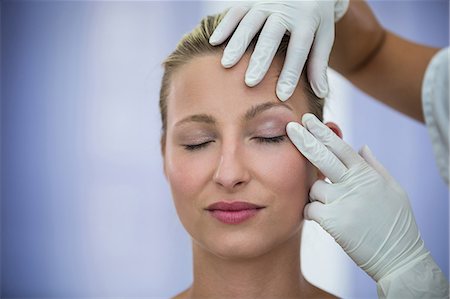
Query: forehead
(203, 85)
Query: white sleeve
(421, 279)
(435, 103)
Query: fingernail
(226, 60)
(213, 40)
(308, 119)
(294, 132)
(292, 127)
(251, 78)
(284, 91)
(214, 37)
(321, 90)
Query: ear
(163, 153)
(165, 166)
(335, 128)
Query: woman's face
(227, 143)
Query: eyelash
(269, 140)
(195, 147)
(275, 139)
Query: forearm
(358, 36)
(385, 66)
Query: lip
(233, 212)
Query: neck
(275, 274)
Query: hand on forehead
(203, 83)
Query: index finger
(229, 22)
(316, 152)
(336, 145)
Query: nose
(231, 172)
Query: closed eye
(269, 140)
(195, 147)
(275, 139)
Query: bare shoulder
(182, 295)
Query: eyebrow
(257, 109)
(249, 114)
(201, 118)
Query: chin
(240, 246)
(239, 250)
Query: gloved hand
(368, 214)
(311, 28)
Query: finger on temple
(335, 144)
(298, 49)
(321, 191)
(317, 153)
(229, 22)
(241, 38)
(315, 211)
(265, 49)
(318, 60)
(367, 154)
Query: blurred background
(85, 209)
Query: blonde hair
(195, 44)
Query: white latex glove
(311, 27)
(368, 214)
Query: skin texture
(258, 258)
(382, 64)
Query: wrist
(421, 278)
(402, 263)
(394, 258)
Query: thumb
(315, 211)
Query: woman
(239, 185)
(365, 209)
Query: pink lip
(233, 212)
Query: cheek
(187, 174)
(289, 176)
(181, 174)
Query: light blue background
(85, 209)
